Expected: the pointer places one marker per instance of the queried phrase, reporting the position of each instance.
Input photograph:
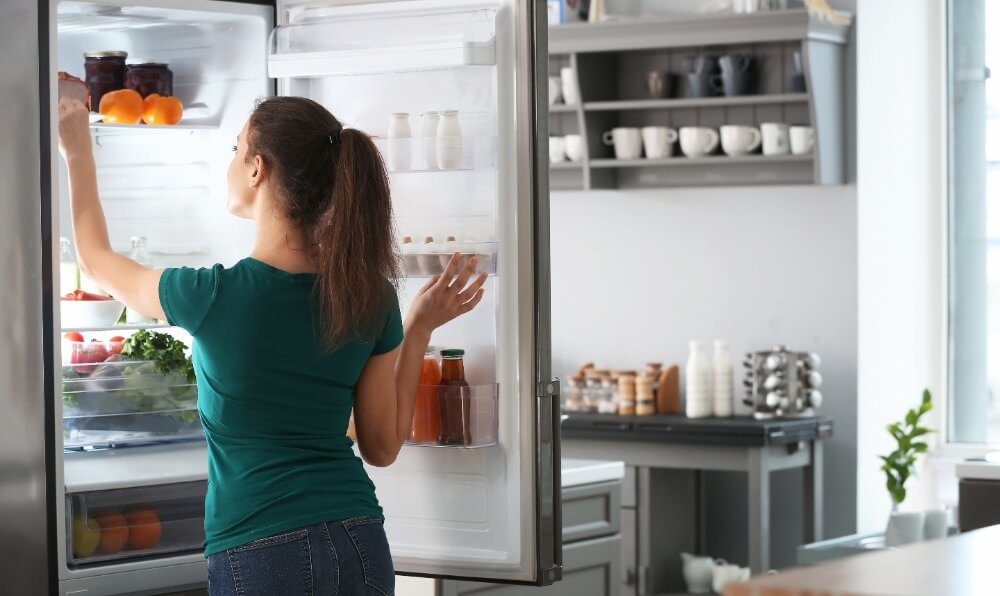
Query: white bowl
(89, 313)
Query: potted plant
(899, 466)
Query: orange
(159, 110)
(114, 532)
(144, 528)
(121, 107)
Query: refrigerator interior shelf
(397, 59)
(420, 262)
(456, 417)
(102, 128)
(133, 523)
(430, 155)
(122, 327)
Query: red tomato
(116, 344)
(81, 295)
(117, 339)
(73, 336)
(96, 352)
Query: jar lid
(147, 62)
(106, 54)
(452, 353)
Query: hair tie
(334, 137)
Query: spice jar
(574, 401)
(591, 393)
(645, 404)
(626, 395)
(607, 404)
(150, 77)
(104, 73)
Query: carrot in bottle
(426, 415)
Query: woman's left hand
(74, 128)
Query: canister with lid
(104, 72)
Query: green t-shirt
(274, 403)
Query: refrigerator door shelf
(430, 155)
(418, 262)
(455, 417)
(355, 41)
(135, 523)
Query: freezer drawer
(134, 523)
(590, 567)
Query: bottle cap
(452, 353)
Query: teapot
(724, 574)
(698, 572)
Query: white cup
(557, 149)
(626, 140)
(697, 141)
(935, 524)
(570, 92)
(574, 147)
(657, 141)
(739, 140)
(802, 139)
(555, 90)
(775, 138)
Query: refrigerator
(82, 451)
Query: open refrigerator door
(475, 495)
(447, 89)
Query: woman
(286, 343)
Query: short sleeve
(392, 331)
(187, 294)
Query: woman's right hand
(446, 296)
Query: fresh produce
(86, 536)
(73, 336)
(116, 344)
(145, 528)
(114, 532)
(81, 295)
(169, 353)
(84, 355)
(159, 110)
(123, 106)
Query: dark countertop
(736, 431)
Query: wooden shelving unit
(610, 61)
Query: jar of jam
(104, 73)
(150, 77)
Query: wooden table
(963, 565)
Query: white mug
(775, 138)
(574, 147)
(697, 141)
(802, 139)
(627, 142)
(555, 90)
(739, 140)
(557, 149)
(570, 92)
(657, 141)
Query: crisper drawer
(134, 523)
(115, 403)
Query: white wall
(901, 283)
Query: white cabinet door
(487, 509)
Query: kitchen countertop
(980, 469)
(735, 431)
(964, 564)
(577, 472)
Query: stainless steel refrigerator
(77, 447)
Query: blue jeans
(342, 558)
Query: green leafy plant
(900, 465)
(169, 354)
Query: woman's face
(243, 179)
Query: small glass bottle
(608, 404)
(68, 271)
(426, 425)
(140, 255)
(574, 399)
(454, 400)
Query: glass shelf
(421, 262)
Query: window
(974, 221)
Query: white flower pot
(905, 527)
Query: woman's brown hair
(333, 184)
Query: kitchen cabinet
(592, 537)
(609, 63)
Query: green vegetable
(169, 354)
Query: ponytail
(335, 187)
(356, 254)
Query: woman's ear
(258, 172)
